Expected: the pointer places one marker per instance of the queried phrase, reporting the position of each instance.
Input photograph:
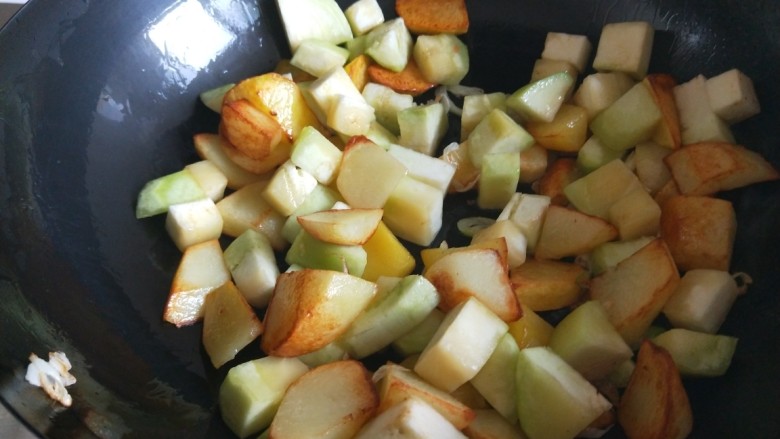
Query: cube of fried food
(559, 174)
(635, 291)
(732, 96)
(698, 121)
(410, 80)
(434, 16)
(699, 231)
(655, 403)
(708, 167)
(574, 49)
(546, 285)
(661, 86)
(599, 90)
(625, 47)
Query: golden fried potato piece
(250, 130)
(410, 80)
(705, 168)
(546, 285)
(668, 131)
(700, 231)
(559, 173)
(655, 404)
(434, 16)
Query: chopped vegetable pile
(597, 183)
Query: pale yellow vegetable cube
(599, 90)
(461, 346)
(702, 300)
(698, 122)
(530, 329)
(625, 47)
(368, 174)
(194, 222)
(635, 215)
(200, 271)
(732, 96)
(289, 186)
(429, 170)
(364, 15)
(574, 49)
(320, 94)
(209, 177)
(247, 209)
(414, 211)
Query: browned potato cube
(636, 290)
(547, 285)
(569, 232)
(655, 404)
(229, 324)
(699, 231)
(410, 80)
(668, 131)
(708, 167)
(434, 16)
(396, 384)
(559, 174)
(251, 131)
(329, 402)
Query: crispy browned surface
(249, 130)
(546, 285)
(434, 16)
(410, 80)
(634, 293)
(229, 324)
(475, 272)
(301, 316)
(668, 131)
(655, 404)
(559, 173)
(699, 231)
(708, 167)
(257, 166)
(400, 384)
(569, 232)
(336, 399)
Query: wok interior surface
(96, 98)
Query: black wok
(97, 97)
